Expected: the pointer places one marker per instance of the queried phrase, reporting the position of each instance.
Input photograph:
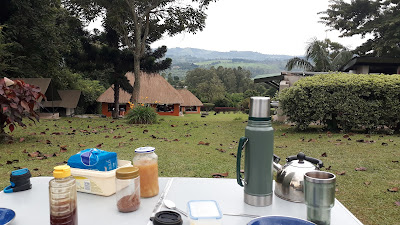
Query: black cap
(167, 218)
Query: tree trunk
(3, 136)
(136, 85)
(115, 112)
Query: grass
(364, 193)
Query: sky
(279, 27)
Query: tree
(6, 56)
(141, 22)
(211, 90)
(17, 100)
(102, 53)
(321, 56)
(40, 32)
(380, 19)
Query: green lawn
(364, 193)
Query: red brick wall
(192, 112)
(104, 109)
(174, 113)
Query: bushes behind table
(345, 101)
(142, 115)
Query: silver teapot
(289, 180)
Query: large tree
(378, 18)
(141, 22)
(102, 53)
(40, 32)
(321, 56)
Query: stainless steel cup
(319, 194)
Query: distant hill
(195, 53)
(185, 59)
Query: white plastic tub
(204, 212)
(97, 182)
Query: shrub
(344, 101)
(142, 115)
(207, 107)
(17, 100)
(225, 109)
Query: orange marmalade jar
(146, 159)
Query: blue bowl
(279, 220)
(6, 215)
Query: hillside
(185, 59)
(195, 53)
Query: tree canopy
(378, 18)
(140, 23)
(224, 86)
(321, 56)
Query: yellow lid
(127, 172)
(62, 171)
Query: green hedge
(344, 101)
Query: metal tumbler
(319, 193)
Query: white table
(32, 206)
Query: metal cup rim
(320, 177)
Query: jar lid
(146, 149)
(167, 218)
(127, 172)
(62, 171)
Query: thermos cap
(260, 107)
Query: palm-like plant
(321, 56)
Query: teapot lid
(301, 164)
(303, 161)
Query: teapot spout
(275, 163)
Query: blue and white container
(204, 212)
(94, 159)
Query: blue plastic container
(279, 220)
(94, 159)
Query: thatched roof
(189, 99)
(153, 88)
(69, 99)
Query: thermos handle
(242, 142)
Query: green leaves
(321, 56)
(377, 19)
(344, 101)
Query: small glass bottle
(147, 161)
(62, 196)
(128, 189)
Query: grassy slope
(371, 203)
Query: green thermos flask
(258, 155)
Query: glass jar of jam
(127, 185)
(146, 159)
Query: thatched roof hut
(189, 99)
(153, 89)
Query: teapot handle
(302, 156)
(242, 142)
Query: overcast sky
(265, 26)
